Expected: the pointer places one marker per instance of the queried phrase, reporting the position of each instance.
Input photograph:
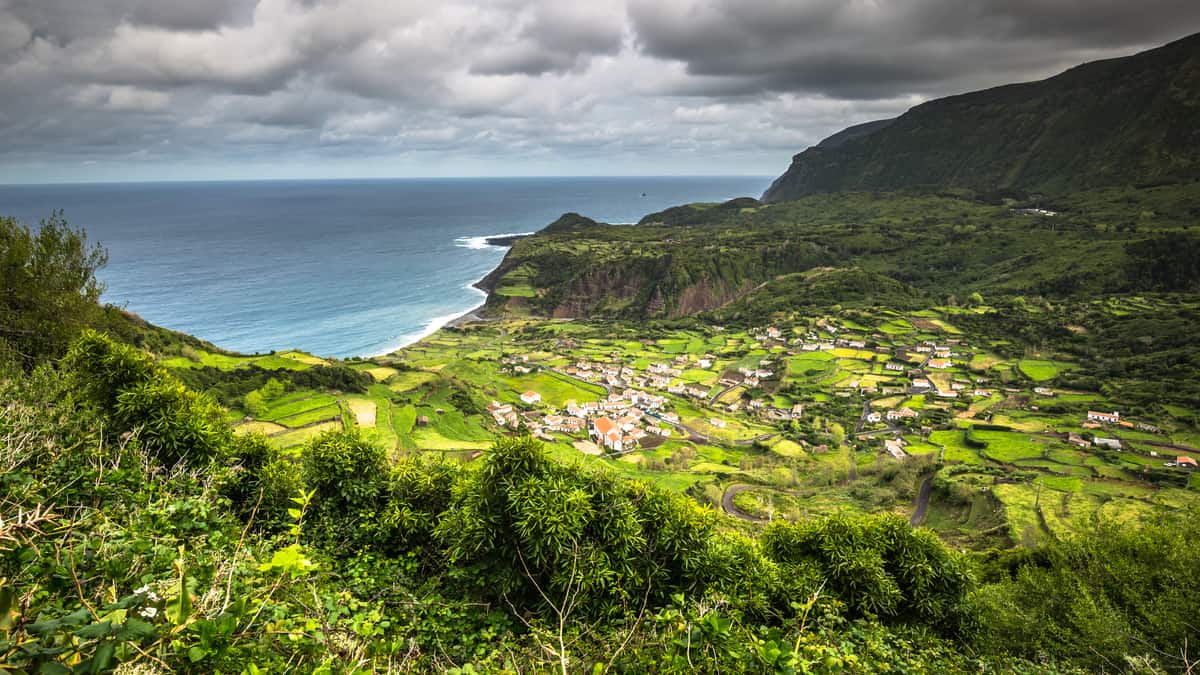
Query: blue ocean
(338, 268)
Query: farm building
(1104, 418)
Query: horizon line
(376, 178)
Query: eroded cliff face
(590, 293)
(611, 294)
(705, 296)
(656, 285)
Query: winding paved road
(923, 495)
(731, 509)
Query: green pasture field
(292, 406)
(1041, 370)
(1005, 446)
(555, 389)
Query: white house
(895, 448)
(1104, 418)
(531, 398)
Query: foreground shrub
(1112, 593)
(879, 566)
(137, 397)
(531, 532)
(261, 485)
(347, 475)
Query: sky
(114, 90)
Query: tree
(48, 287)
(254, 403)
(838, 432)
(272, 390)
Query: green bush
(261, 484)
(348, 477)
(103, 368)
(533, 532)
(136, 397)
(1112, 592)
(254, 403)
(418, 493)
(175, 423)
(879, 566)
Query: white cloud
(585, 87)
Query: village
(637, 411)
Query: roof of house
(1184, 459)
(604, 425)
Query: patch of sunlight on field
(364, 411)
(259, 427)
(590, 448)
(1040, 370)
(308, 359)
(300, 436)
(382, 373)
(788, 448)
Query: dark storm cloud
(571, 86)
(877, 49)
(554, 38)
(68, 20)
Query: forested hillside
(1126, 121)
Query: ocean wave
(480, 242)
(405, 339)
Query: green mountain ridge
(702, 257)
(1124, 121)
